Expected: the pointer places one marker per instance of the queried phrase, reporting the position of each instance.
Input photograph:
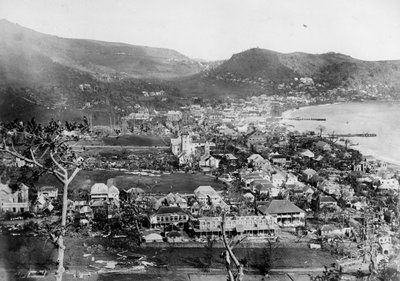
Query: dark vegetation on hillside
(43, 75)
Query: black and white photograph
(200, 140)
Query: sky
(216, 29)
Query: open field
(180, 182)
(137, 140)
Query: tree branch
(76, 171)
(64, 171)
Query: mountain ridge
(56, 72)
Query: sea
(380, 118)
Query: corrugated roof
(279, 207)
(170, 210)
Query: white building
(388, 184)
(14, 202)
(101, 192)
(50, 192)
(277, 179)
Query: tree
(228, 255)
(47, 149)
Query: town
(167, 180)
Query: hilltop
(260, 71)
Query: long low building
(236, 225)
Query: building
(102, 192)
(14, 201)
(174, 116)
(329, 230)
(291, 179)
(323, 145)
(208, 162)
(277, 179)
(263, 225)
(168, 216)
(308, 174)
(327, 201)
(307, 153)
(256, 137)
(284, 212)
(388, 184)
(184, 148)
(50, 192)
(153, 238)
(205, 194)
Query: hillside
(21, 47)
(47, 76)
(259, 71)
(43, 75)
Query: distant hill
(47, 76)
(32, 56)
(258, 71)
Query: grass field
(180, 182)
(137, 140)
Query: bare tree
(229, 256)
(47, 150)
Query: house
(153, 238)
(254, 157)
(50, 192)
(358, 205)
(307, 153)
(278, 159)
(256, 137)
(42, 204)
(308, 190)
(323, 145)
(277, 179)
(263, 225)
(262, 186)
(327, 201)
(174, 116)
(385, 244)
(207, 194)
(99, 191)
(113, 193)
(85, 212)
(167, 216)
(308, 174)
(329, 230)
(173, 200)
(284, 212)
(388, 184)
(184, 158)
(132, 193)
(175, 237)
(291, 179)
(330, 187)
(14, 201)
(102, 192)
(208, 162)
(249, 178)
(248, 197)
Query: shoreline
(365, 151)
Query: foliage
(46, 149)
